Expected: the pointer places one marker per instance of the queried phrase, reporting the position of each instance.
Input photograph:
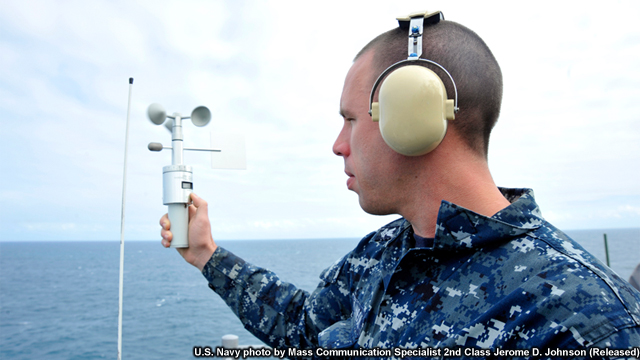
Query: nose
(341, 145)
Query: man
(468, 265)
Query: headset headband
(415, 23)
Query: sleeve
(277, 312)
(623, 344)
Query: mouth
(350, 180)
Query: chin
(376, 208)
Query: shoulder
(574, 290)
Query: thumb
(199, 205)
(198, 202)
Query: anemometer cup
(200, 116)
(156, 113)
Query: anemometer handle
(177, 186)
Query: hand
(201, 244)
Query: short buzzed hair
(469, 61)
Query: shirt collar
(459, 228)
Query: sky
(273, 71)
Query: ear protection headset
(412, 106)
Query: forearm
(274, 311)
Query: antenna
(177, 178)
(124, 192)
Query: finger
(164, 222)
(192, 211)
(167, 235)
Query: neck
(463, 179)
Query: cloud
(274, 71)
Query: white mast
(124, 191)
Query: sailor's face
(370, 164)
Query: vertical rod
(177, 141)
(606, 249)
(124, 192)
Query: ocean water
(59, 300)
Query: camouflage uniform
(511, 281)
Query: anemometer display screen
(187, 185)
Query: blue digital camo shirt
(511, 281)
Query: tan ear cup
(413, 110)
